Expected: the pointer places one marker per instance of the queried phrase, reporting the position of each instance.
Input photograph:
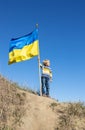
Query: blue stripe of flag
(19, 43)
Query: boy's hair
(46, 62)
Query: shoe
(44, 95)
(48, 96)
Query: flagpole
(39, 67)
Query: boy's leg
(47, 86)
(43, 85)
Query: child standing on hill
(46, 77)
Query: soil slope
(23, 110)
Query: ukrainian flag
(24, 48)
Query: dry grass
(11, 105)
(71, 117)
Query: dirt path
(39, 115)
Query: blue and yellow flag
(24, 48)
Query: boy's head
(46, 63)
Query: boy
(46, 77)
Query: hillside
(23, 110)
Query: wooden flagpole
(39, 67)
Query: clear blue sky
(62, 40)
